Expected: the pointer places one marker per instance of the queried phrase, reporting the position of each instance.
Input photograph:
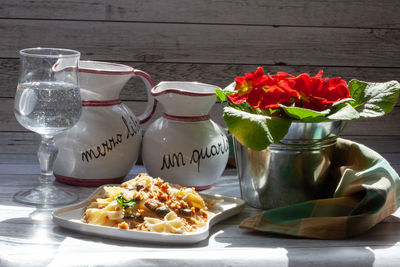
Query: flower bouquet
(260, 107)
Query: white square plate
(70, 217)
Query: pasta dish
(149, 204)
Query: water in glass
(47, 107)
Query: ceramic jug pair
(184, 146)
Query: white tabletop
(25, 241)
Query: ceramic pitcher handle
(151, 102)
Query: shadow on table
(37, 239)
(25, 237)
(37, 229)
(356, 251)
(125, 243)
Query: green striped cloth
(368, 191)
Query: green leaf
(125, 203)
(256, 132)
(340, 102)
(220, 95)
(344, 112)
(305, 115)
(374, 99)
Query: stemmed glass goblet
(47, 101)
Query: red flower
(278, 90)
(319, 93)
(245, 85)
(264, 91)
(268, 91)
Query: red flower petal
(236, 98)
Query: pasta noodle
(149, 204)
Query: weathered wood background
(208, 41)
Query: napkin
(367, 191)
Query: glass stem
(47, 153)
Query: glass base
(42, 214)
(45, 196)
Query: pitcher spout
(185, 99)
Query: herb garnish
(125, 203)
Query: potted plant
(285, 128)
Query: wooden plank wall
(208, 41)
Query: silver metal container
(293, 171)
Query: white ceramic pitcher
(102, 147)
(185, 146)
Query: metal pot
(292, 171)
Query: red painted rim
(88, 182)
(109, 72)
(175, 91)
(180, 92)
(104, 103)
(151, 114)
(203, 187)
(186, 118)
(145, 75)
